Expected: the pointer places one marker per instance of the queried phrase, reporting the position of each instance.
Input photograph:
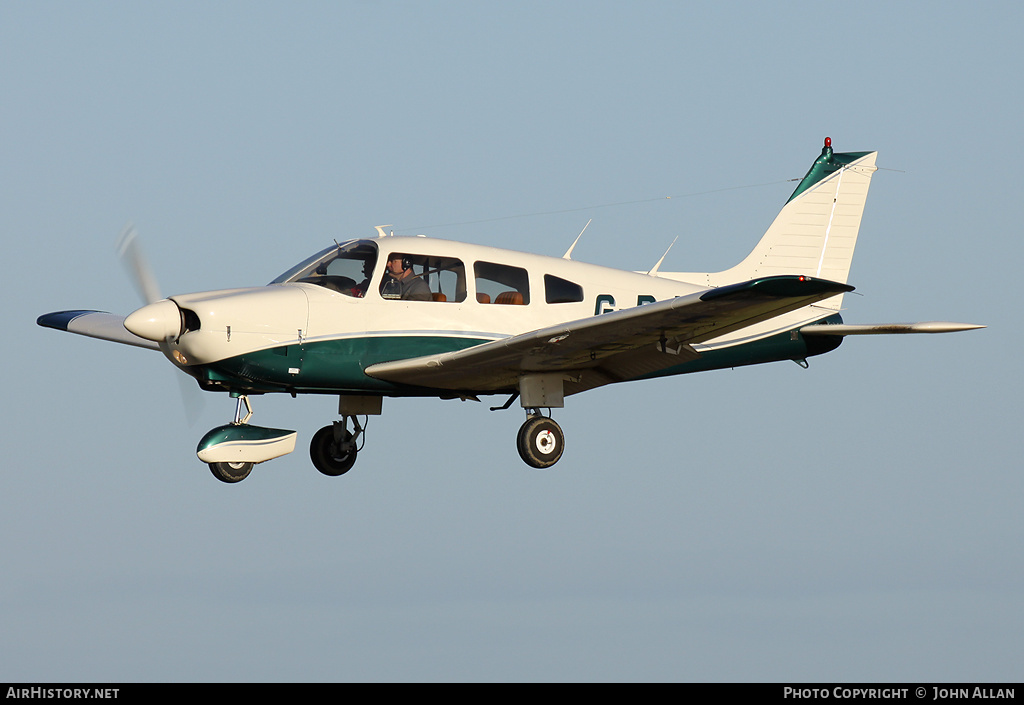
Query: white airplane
(414, 316)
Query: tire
(327, 457)
(231, 472)
(540, 442)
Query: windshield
(344, 268)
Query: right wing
(615, 346)
(95, 324)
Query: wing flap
(612, 346)
(94, 324)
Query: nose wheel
(540, 442)
(231, 472)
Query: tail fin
(815, 232)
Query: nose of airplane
(157, 321)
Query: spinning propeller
(160, 319)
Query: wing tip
(60, 320)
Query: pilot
(359, 290)
(401, 283)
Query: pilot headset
(406, 262)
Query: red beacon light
(828, 141)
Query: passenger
(401, 283)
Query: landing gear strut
(540, 441)
(333, 448)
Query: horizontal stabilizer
(94, 324)
(887, 328)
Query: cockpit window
(344, 268)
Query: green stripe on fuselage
(336, 366)
(327, 366)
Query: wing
(95, 324)
(614, 346)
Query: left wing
(613, 346)
(95, 324)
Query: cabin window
(413, 277)
(501, 284)
(561, 291)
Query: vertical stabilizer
(815, 232)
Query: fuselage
(317, 328)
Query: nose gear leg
(239, 400)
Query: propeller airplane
(421, 317)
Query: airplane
(389, 316)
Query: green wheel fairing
(327, 366)
(240, 433)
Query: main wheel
(330, 456)
(540, 442)
(231, 472)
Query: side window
(412, 277)
(501, 284)
(561, 291)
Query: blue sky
(856, 521)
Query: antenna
(654, 270)
(568, 253)
(380, 229)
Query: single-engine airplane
(413, 316)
